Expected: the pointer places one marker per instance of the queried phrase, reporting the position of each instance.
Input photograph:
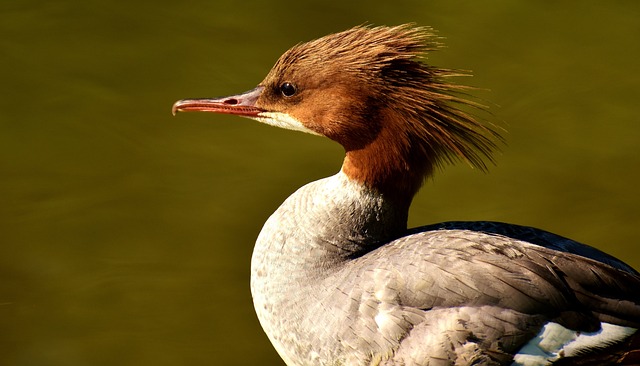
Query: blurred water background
(126, 233)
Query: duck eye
(287, 89)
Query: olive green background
(126, 233)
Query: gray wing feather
(454, 294)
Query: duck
(338, 278)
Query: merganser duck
(338, 279)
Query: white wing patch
(555, 341)
(607, 335)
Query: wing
(465, 267)
(472, 296)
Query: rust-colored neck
(395, 162)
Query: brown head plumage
(368, 89)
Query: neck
(312, 235)
(395, 163)
(328, 222)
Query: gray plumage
(434, 297)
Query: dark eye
(287, 89)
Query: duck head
(368, 89)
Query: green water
(126, 233)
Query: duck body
(425, 296)
(337, 278)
